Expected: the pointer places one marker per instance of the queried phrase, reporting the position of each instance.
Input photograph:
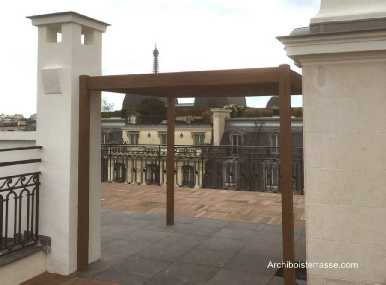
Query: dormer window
(235, 142)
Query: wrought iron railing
(19, 207)
(248, 168)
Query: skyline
(190, 35)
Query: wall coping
(18, 136)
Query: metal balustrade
(247, 168)
(19, 206)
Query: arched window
(152, 174)
(231, 173)
(188, 176)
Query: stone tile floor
(241, 206)
(137, 248)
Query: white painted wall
(59, 67)
(7, 156)
(17, 139)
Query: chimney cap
(68, 17)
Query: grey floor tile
(117, 250)
(269, 248)
(244, 226)
(252, 263)
(227, 277)
(135, 265)
(120, 277)
(243, 235)
(148, 235)
(206, 256)
(168, 252)
(138, 248)
(189, 229)
(210, 222)
(220, 243)
(184, 274)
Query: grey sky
(190, 34)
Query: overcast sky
(190, 35)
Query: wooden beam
(170, 162)
(286, 173)
(185, 79)
(83, 174)
(234, 90)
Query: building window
(271, 179)
(275, 142)
(132, 137)
(152, 174)
(198, 138)
(230, 174)
(163, 138)
(119, 174)
(188, 174)
(235, 143)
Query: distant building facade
(219, 143)
(246, 158)
(17, 122)
(252, 158)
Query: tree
(151, 111)
(106, 106)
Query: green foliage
(151, 111)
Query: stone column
(343, 57)
(219, 117)
(69, 44)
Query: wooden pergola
(280, 81)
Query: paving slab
(140, 249)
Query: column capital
(340, 27)
(349, 10)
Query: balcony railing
(248, 168)
(19, 204)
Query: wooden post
(286, 172)
(83, 174)
(170, 162)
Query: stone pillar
(343, 57)
(69, 45)
(219, 117)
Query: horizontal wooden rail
(20, 148)
(17, 162)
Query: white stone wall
(17, 139)
(23, 269)
(345, 167)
